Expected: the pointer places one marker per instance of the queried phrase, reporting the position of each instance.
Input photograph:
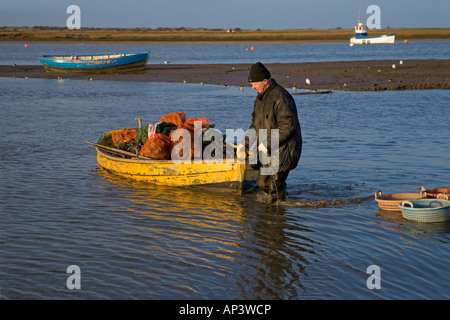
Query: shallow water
(234, 53)
(137, 241)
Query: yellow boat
(230, 176)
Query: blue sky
(245, 14)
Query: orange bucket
(433, 193)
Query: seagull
(294, 88)
(241, 88)
(401, 61)
(393, 66)
(308, 81)
(224, 85)
(14, 64)
(166, 62)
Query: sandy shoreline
(372, 75)
(194, 42)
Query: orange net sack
(122, 136)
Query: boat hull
(387, 38)
(165, 172)
(107, 63)
(230, 176)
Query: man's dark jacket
(275, 109)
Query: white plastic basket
(426, 210)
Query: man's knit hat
(258, 72)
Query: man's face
(260, 86)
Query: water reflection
(259, 250)
(281, 254)
(394, 221)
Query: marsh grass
(45, 34)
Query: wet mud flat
(374, 75)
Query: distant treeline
(166, 34)
(37, 28)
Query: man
(274, 108)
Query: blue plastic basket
(426, 210)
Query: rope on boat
(159, 57)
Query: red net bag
(156, 147)
(177, 118)
(191, 122)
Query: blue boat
(100, 63)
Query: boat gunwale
(372, 37)
(156, 161)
